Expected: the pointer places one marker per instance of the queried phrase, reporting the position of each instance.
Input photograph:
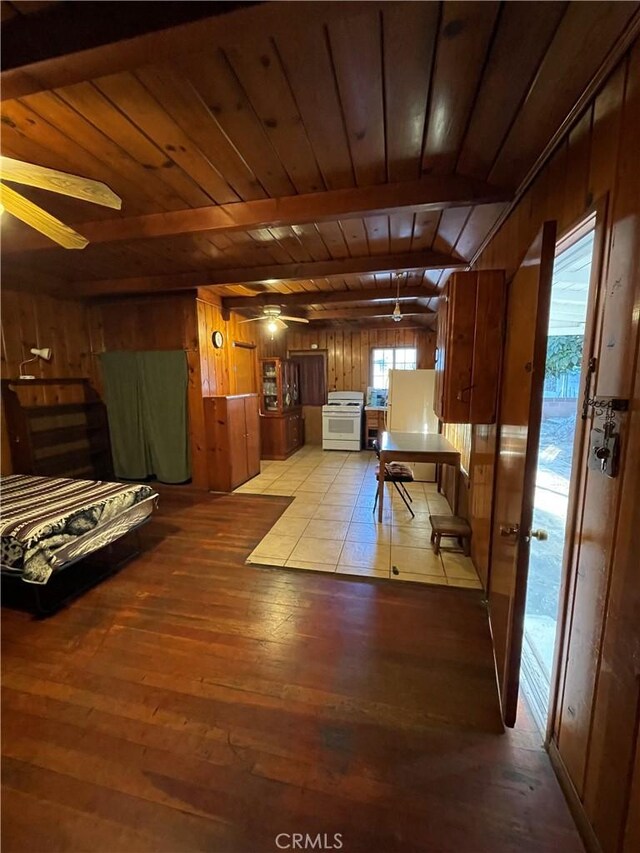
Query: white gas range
(342, 420)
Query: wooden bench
(450, 525)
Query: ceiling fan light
(272, 327)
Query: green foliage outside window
(564, 354)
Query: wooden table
(417, 447)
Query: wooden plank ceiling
(320, 106)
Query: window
(384, 359)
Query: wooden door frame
(511, 686)
(302, 353)
(595, 218)
(247, 345)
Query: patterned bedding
(40, 517)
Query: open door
(520, 413)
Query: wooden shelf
(49, 452)
(62, 435)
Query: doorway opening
(563, 386)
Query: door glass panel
(560, 409)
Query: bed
(47, 524)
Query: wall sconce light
(44, 353)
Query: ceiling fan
(75, 186)
(274, 318)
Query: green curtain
(131, 458)
(146, 397)
(164, 380)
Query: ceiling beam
(432, 193)
(73, 42)
(63, 28)
(358, 313)
(425, 324)
(270, 274)
(331, 297)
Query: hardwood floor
(193, 703)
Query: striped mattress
(41, 518)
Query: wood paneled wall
(182, 321)
(78, 332)
(597, 713)
(145, 323)
(348, 350)
(156, 323)
(232, 369)
(36, 320)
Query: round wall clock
(217, 339)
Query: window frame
(394, 366)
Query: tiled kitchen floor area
(330, 526)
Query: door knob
(508, 530)
(540, 535)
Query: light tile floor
(330, 525)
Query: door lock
(509, 530)
(605, 450)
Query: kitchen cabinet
(280, 386)
(281, 425)
(374, 425)
(281, 435)
(232, 426)
(470, 331)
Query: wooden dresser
(232, 427)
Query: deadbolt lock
(509, 530)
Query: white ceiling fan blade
(294, 319)
(252, 319)
(39, 219)
(58, 182)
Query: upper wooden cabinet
(280, 386)
(469, 347)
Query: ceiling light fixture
(273, 318)
(397, 313)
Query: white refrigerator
(410, 409)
